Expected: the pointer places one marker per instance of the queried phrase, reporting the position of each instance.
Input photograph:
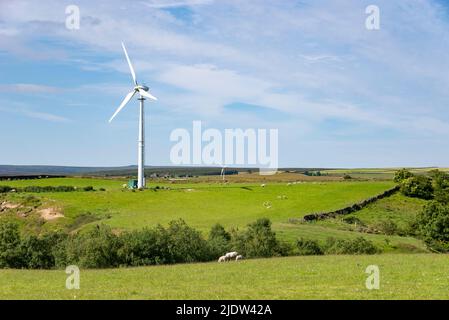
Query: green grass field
(407, 271)
(405, 276)
(203, 204)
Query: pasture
(203, 204)
(404, 276)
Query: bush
(353, 220)
(96, 248)
(308, 247)
(184, 243)
(219, 240)
(258, 241)
(440, 184)
(38, 252)
(432, 225)
(418, 187)
(4, 189)
(89, 188)
(358, 245)
(401, 175)
(10, 254)
(387, 227)
(141, 248)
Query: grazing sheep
(239, 257)
(263, 185)
(222, 259)
(231, 255)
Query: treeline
(101, 247)
(38, 189)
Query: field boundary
(346, 210)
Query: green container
(132, 184)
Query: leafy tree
(401, 175)
(432, 224)
(258, 241)
(308, 247)
(10, 254)
(418, 187)
(219, 240)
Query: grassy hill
(202, 204)
(405, 276)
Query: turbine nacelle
(144, 88)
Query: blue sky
(339, 94)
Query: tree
(401, 175)
(10, 254)
(433, 225)
(417, 187)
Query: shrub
(184, 243)
(10, 254)
(219, 240)
(440, 184)
(258, 241)
(358, 245)
(89, 188)
(353, 220)
(140, 248)
(401, 175)
(308, 247)
(432, 225)
(387, 227)
(4, 189)
(418, 187)
(38, 252)
(96, 248)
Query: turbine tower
(143, 93)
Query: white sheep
(231, 255)
(222, 259)
(263, 185)
(239, 257)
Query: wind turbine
(143, 93)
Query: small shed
(132, 184)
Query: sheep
(239, 257)
(222, 259)
(231, 255)
(263, 185)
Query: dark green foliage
(440, 184)
(219, 240)
(184, 243)
(401, 175)
(353, 220)
(96, 248)
(347, 177)
(417, 187)
(432, 224)
(38, 252)
(258, 241)
(308, 247)
(4, 189)
(358, 245)
(10, 255)
(387, 227)
(89, 188)
(141, 248)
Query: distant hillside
(24, 170)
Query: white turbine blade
(147, 94)
(123, 104)
(130, 65)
